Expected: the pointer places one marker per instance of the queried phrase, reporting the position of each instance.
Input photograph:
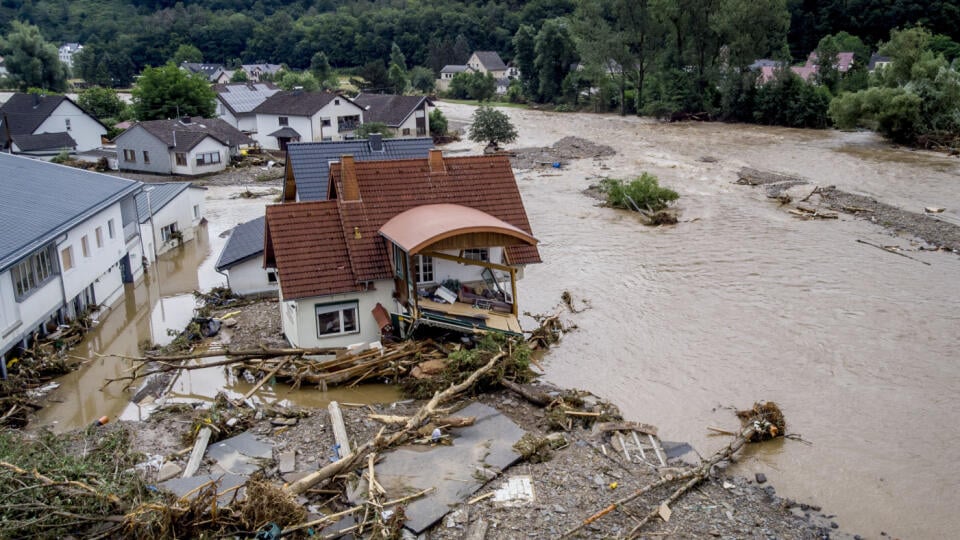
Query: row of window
(33, 272)
(423, 265)
(206, 158)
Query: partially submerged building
(241, 260)
(70, 240)
(398, 245)
(169, 214)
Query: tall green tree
(524, 56)
(491, 126)
(828, 72)
(32, 61)
(555, 55)
(104, 66)
(187, 53)
(422, 79)
(101, 102)
(298, 80)
(170, 92)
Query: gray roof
(161, 193)
(310, 161)
(453, 68)
(298, 103)
(245, 241)
(285, 132)
(182, 135)
(390, 109)
(762, 63)
(210, 71)
(39, 201)
(44, 141)
(262, 68)
(490, 60)
(243, 98)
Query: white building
(236, 102)
(47, 125)
(66, 52)
(241, 260)
(185, 146)
(169, 214)
(300, 116)
(70, 240)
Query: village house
(488, 62)
(38, 125)
(447, 74)
(807, 71)
(878, 62)
(70, 241)
(434, 242)
(236, 102)
(404, 116)
(215, 73)
(185, 146)
(306, 174)
(296, 116)
(256, 71)
(241, 260)
(169, 214)
(66, 52)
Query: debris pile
(559, 154)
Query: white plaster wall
(9, 310)
(303, 331)
(411, 124)
(83, 128)
(269, 123)
(250, 277)
(443, 269)
(208, 144)
(179, 210)
(198, 197)
(224, 113)
(31, 312)
(246, 122)
(334, 110)
(87, 270)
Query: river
(737, 303)
(742, 302)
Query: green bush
(643, 193)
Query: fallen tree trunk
(398, 437)
(449, 421)
(537, 398)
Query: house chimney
(348, 176)
(436, 162)
(376, 142)
(36, 100)
(185, 120)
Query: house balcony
(343, 127)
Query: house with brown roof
(296, 116)
(402, 245)
(404, 116)
(185, 146)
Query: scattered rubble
(559, 153)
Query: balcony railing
(347, 126)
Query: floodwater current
(737, 303)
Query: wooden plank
(658, 449)
(602, 427)
(266, 378)
(339, 429)
(199, 449)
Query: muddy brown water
(739, 302)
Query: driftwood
(379, 441)
(448, 421)
(891, 250)
(339, 429)
(537, 398)
(199, 448)
(602, 427)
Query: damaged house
(437, 242)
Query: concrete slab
(168, 471)
(515, 491)
(240, 454)
(182, 486)
(450, 469)
(288, 462)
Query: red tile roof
(313, 261)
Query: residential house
(215, 73)
(66, 52)
(41, 125)
(186, 146)
(404, 116)
(308, 164)
(878, 62)
(433, 242)
(256, 71)
(447, 74)
(488, 62)
(236, 102)
(807, 71)
(305, 179)
(241, 260)
(70, 240)
(169, 213)
(296, 116)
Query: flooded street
(739, 302)
(743, 302)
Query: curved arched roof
(421, 226)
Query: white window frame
(32, 273)
(196, 211)
(476, 254)
(167, 231)
(110, 229)
(208, 158)
(424, 269)
(340, 324)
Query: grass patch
(490, 103)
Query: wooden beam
(199, 448)
(471, 262)
(339, 429)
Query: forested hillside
(132, 34)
